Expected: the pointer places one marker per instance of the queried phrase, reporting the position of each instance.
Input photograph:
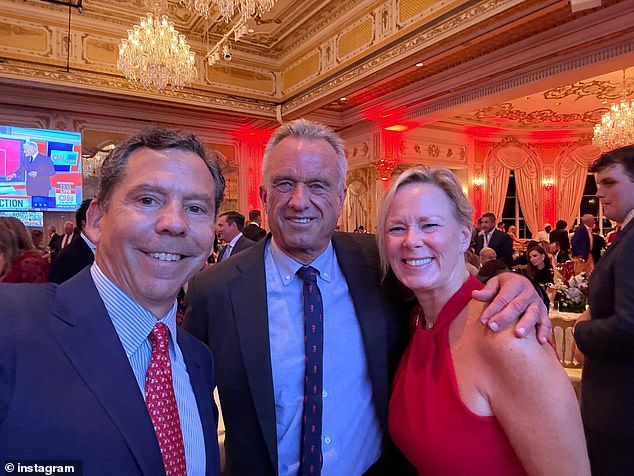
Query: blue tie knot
(307, 273)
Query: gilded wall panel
(101, 51)
(358, 37)
(408, 9)
(301, 71)
(24, 38)
(241, 78)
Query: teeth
(300, 220)
(417, 262)
(165, 256)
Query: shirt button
(327, 440)
(325, 275)
(324, 394)
(287, 277)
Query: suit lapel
(253, 335)
(81, 326)
(361, 273)
(204, 402)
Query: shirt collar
(132, 322)
(628, 218)
(90, 244)
(233, 242)
(287, 267)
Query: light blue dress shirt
(351, 432)
(133, 324)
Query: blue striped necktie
(310, 449)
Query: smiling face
(303, 196)
(425, 243)
(615, 189)
(157, 227)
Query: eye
(148, 201)
(284, 186)
(429, 226)
(196, 209)
(396, 229)
(316, 186)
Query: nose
(171, 219)
(299, 197)
(413, 237)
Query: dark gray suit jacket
(242, 244)
(228, 311)
(607, 340)
(67, 391)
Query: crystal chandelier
(156, 55)
(246, 8)
(616, 128)
(199, 7)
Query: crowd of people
(333, 353)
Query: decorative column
(476, 193)
(251, 147)
(548, 196)
(386, 149)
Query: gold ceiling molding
(599, 89)
(532, 118)
(92, 82)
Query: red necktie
(311, 458)
(161, 403)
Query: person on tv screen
(39, 169)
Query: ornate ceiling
(487, 65)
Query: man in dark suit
(95, 370)
(581, 242)
(229, 229)
(493, 238)
(38, 168)
(559, 255)
(598, 247)
(54, 242)
(249, 310)
(604, 332)
(560, 235)
(78, 254)
(253, 230)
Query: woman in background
(540, 266)
(20, 262)
(466, 400)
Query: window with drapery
(512, 212)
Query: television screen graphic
(39, 169)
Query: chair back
(564, 341)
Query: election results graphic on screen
(39, 169)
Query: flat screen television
(40, 169)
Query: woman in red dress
(467, 401)
(20, 262)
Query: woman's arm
(533, 400)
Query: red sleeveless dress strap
(429, 422)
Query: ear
(94, 218)
(342, 197)
(465, 238)
(263, 194)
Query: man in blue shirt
(79, 361)
(249, 310)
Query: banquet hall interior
(496, 90)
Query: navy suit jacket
(607, 341)
(67, 391)
(501, 242)
(41, 184)
(580, 242)
(228, 311)
(242, 244)
(71, 260)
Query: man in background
(605, 332)
(493, 238)
(95, 370)
(251, 310)
(253, 230)
(78, 254)
(229, 229)
(38, 168)
(559, 255)
(68, 236)
(54, 241)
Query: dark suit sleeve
(46, 167)
(506, 250)
(196, 321)
(611, 335)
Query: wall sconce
(548, 182)
(478, 182)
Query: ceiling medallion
(616, 128)
(155, 54)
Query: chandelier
(156, 55)
(199, 7)
(616, 128)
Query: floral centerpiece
(571, 296)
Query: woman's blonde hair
(14, 240)
(440, 177)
